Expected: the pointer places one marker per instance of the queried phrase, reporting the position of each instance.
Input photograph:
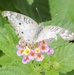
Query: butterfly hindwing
(64, 33)
(46, 34)
(52, 31)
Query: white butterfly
(31, 32)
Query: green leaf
(1, 21)
(12, 70)
(69, 73)
(52, 72)
(30, 10)
(8, 41)
(62, 13)
(1, 53)
(4, 60)
(6, 5)
(63, 74)
(30, 1)
(64, 58)
(18, 69)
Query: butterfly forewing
(64, 33)
(23, 25)
(46, 34)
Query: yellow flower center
(26, 51)
(37, 50)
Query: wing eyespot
(28, 40)
(19, 23)
(22, 32)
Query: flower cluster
(33, 53)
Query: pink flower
(22, 42)
(20, 52)
(44, 48)
(18, 46)
(39, 57)
(50, 51)
(25, 60)
(36, 54)
(32, 55)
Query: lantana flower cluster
(33, 54)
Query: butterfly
(31, 32)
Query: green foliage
(62, 13)
(30, 1)
(69, 73)
(61, 62)
(4, 60)
(8, 41)
(15, 70)
(52, 72)
(64, 58)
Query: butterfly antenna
(39, 14)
